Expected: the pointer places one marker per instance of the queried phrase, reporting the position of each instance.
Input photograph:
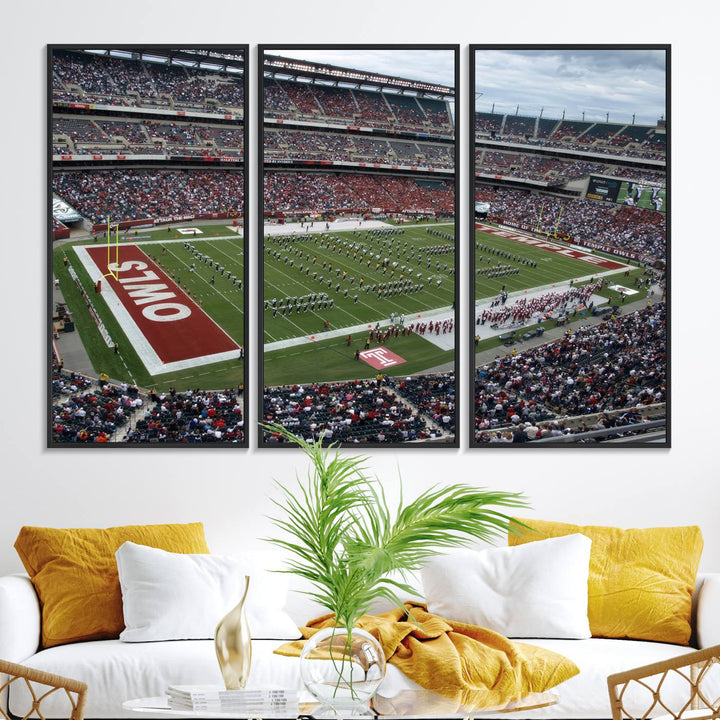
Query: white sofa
(117, 671)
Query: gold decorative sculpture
(233, 646)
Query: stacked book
(251, 702)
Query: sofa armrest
(708, 610)
(19, 618)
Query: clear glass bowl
(342, 672)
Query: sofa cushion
(708, 602)
(75, 574)
(641, 580)
(183, 596)
(530, 591)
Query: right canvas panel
(569, 246)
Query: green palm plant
(343, 537)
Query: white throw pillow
(536, 590)
(177, 596)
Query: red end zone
(174, 326)
(553, 247)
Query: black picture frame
(266, 440)
(639, 428)
(221, 58)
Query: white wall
(228, 489)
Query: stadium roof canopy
(203, 58)
(275, 66)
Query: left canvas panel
(147, 274)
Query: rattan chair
(690, 683)
(41, 685)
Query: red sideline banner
(153, 311)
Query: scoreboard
(603, 188)
(626, 192)
(481, 210)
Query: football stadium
(148, 279)
(357, 306)
(569, 279)
(358, 256)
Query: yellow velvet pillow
(641, 581)
(75, 574)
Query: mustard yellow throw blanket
(468, 665)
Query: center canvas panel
(358, 244)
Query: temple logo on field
(381, 358)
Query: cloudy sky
(595, 82)
(600, 83)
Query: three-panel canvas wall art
(383, 187)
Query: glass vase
(342, 670)
(233, 645)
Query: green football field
(504, 264)
(325, 282)
(405, 265)
(334, 360)
(354, 277)
(221, 299)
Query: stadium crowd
(619, 365)
(364, 411)
(598, 137)
(322, 146)
(333, 193)
(138, 194)
(85, 77)
(534, 167)
(647, 177)
(85, 413)
(433, 395)
(193, 416)
(85, 410)
(76, 135)
(633, 229)
(377, 109)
